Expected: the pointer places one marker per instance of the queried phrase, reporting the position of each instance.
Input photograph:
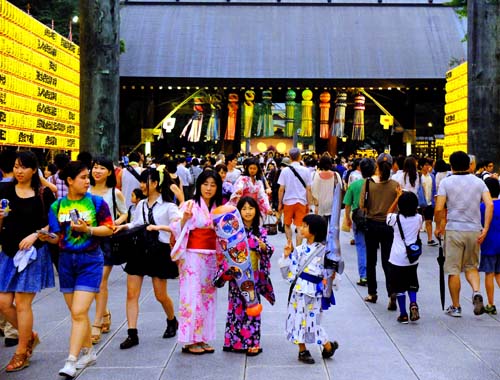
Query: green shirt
(353, 193)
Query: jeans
(359, 240)
(378, 234)
(80, 271)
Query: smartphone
(74, 215)
(47, 233)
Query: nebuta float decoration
(248, 108)
(232, 115)
(195, 122)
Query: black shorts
(157, 263)
(403, 279)
(429, 213)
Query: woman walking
(79, 220)
(195, 254)
(103, 184)
(157, 211)
(26, 213)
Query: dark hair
(153, 175)
(355, 163)
(384, 168)
(441, 166)
(7, 160)
(459, 161)
(252, 161)
(400, 161)
(28, 160)
(410, 170)
(52, 169)
(138, 193)
(325, 163)
(256, 220)
(72, 170)
(230, 157)
(195, 162)
(220, 167)
(317, 226)
(204, 175)
(408, 204)
(171, 166)
(108, 164)
(367, 167)
(61, 160)
(493, 186)
(134, 156)
(86, 158)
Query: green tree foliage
(60, 12)
(460, 7)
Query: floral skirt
(38, 275)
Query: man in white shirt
(186, 178)
(294, 194)
(232, 172)
(130, 177)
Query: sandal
(254, 351)
(207, 348)
(329, 353)
(372, 298)
(96, 338)
(106, 322)
(414, 314)
(33, 342)
(18, 363)
(193, 349)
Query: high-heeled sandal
(18, 363)
(106, 323)
(96, 338)
(32, 343)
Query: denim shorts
(80, 271)
(490, 264)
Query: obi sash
(311, 278)
(201, 238)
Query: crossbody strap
(134, 173)
(400, 229)
(297, 175)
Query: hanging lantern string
(380, 106)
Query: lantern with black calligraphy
(358, 126)
(324, 107)
(306, 126)
(195, 122)
(231, 117)
(339, 115)
(214, 122)
(265, 124)
(290, 113)
(247, 118)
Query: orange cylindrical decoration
(324, 107)
(231, 117)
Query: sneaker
(403, 319)
(454, 311)
(69, 369)
(414, 314)
(490, 309)
(432, 243)
(362, 282)
(392, 306)
(477, 301)
(88, 358)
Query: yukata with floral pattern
(243, 331)
(303, 322)
(246, 186)
(197, 268)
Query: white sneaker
(69, 369)
(88, 358)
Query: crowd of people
(64, 218)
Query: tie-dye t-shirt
(92, 209)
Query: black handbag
(414, 250)
(359, 215)
(125, 243)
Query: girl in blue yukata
(304, 268)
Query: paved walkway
(372, 344)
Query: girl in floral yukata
(242, 332)
(251, 184)
(303, 323)
(194, 252)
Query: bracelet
(90, 231)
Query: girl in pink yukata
(194, 252)
(251, 184)
(242, 332)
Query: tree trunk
(484, 79)
(99, 77)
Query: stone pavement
(372, 344)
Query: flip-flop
(254, 351)
(207, 348)
(189, 349)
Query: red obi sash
(201, 238)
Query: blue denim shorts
(80, 271)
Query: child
(403, 273)
(303, 324)
(135, 197)
(490, 250)
(242, 332)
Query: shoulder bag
(414, 250)
(359, 216)
(297, 175)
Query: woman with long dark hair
(157, 211)
(103, 184)
(381, 194)
(79, 220)
(194, 252)
(26, 213)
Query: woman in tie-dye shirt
(81, 260)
